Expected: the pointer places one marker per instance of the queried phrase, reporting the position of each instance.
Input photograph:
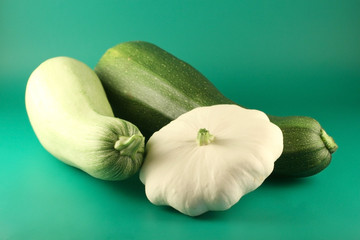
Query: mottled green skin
(305, 152)
(150, 87)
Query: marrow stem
(129, 146)
(328, 141)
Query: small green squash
(151, 87)
(73, 120)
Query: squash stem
(204, 137)
(129, 146)
(328, 141)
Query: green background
(282, 57)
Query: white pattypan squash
(209, 157)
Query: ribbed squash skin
(73, 120)
(150, 87)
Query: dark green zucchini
(150, 87)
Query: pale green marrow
(73, 120)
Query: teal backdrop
(281, 57)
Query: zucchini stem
(204, 137)
(328, 141)
(129, 146)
